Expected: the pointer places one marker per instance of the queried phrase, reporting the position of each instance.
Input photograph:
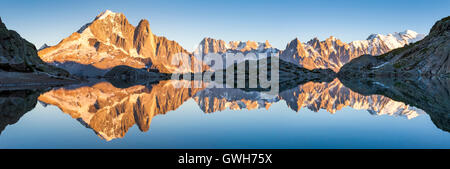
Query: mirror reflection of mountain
(331, 96)
(417, 74)
(111, 111)
(431, 95)
(334, 96)
(15, 103)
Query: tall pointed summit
(109, 41)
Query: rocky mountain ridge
(110, 40)
(331, 53)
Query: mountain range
(110, 40)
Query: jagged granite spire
(109, 41)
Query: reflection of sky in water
(189, 127)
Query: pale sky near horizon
(188, 22)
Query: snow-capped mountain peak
(407, 36)
(110, 40)
(410, 36)
(105, 14)
(409, 33)
(333, 53)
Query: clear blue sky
(188, 22)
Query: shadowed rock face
(428, 57)
(430, 95)
(125, 76)
(14, 104)
(19, 55)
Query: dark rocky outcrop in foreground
(19, 55)
(428, 57)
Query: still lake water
(311, 115)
